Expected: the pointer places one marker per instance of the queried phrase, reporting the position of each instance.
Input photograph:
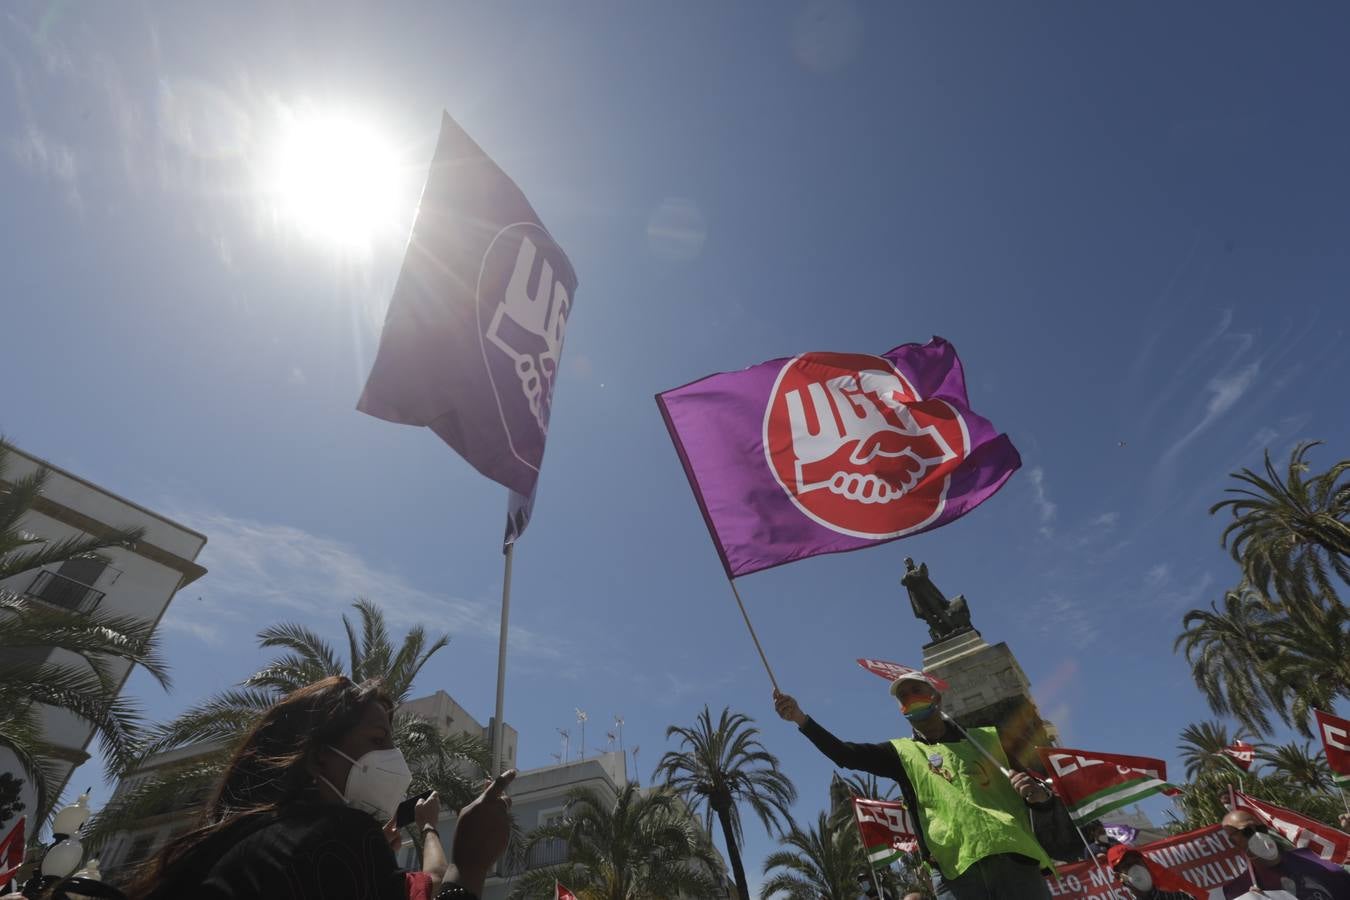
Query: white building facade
(441, 710)
(138, 581)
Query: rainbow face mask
(918, 708)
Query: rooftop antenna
(636, 770)
(609, 747)
(618, 723)
(566, 742)
(581, 720)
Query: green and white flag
(886, 829)
(1092, 784)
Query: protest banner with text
(1205, 858)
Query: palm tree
(643, 845)
(1311, 667)
(718, 767)
(1300, 764)
(453, 765)
(1230, 651)
(1202, 747)
(821, 863)
(308, 658)
(30, 675)
(1290, 534)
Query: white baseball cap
(912, 678)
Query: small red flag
(563, 893)
(1336, 742)
(891, 671)
(11, 851)
(1329, 843)
(886, 829)
(1240, 755)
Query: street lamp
(64, 856)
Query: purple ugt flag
(475, 328)
(827, 452)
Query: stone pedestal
(988, 687)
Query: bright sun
(334, 179)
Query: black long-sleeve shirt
(880, 760)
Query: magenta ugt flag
(827, 452)
(475, 328)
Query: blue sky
(1130, 220)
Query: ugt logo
(522, 327)
(857, 449)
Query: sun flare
(334, 178)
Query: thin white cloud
(259, 572)
(1225, 390)
(1188, 596)
(1065, 620)
(1040, 496)
(1106, 520)
(47, 157)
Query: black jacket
(309, 853)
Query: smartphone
(403, 816)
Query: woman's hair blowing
(273, 768)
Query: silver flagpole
(501, 664)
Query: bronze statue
(945, 617)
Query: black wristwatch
(454, 891)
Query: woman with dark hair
(300, 810)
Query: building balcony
(552, 853)
(63, 592)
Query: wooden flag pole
(497, 724)
(754, 637)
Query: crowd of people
(306, 807)
(975, 819)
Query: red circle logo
(857, 449)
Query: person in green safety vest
(972, 820)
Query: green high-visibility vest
(967, 808)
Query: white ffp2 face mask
(376, 783)
(1139, 878)
(1263, 847)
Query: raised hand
(786, 707)
(482, 832)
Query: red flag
(1201, 863)
(563, 893)
(886, 830)
(891, 671)
(1336, 742)
(1240, 755)
(1327, 842)
(1092, 784)
(11, 851)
